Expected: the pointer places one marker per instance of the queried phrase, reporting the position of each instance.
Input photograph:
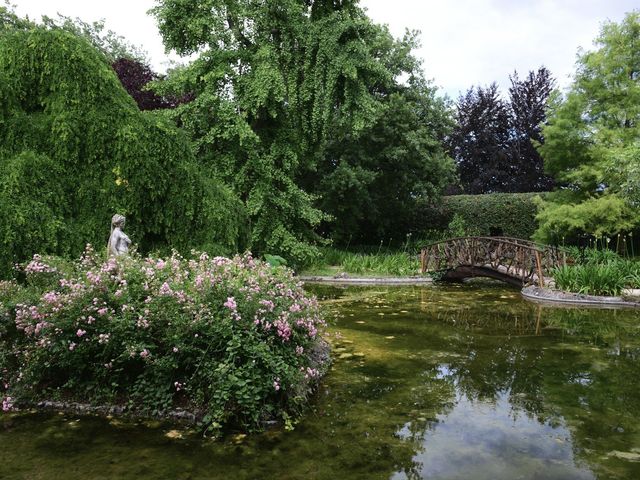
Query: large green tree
(75, 149)
(275, 82)
(592, 140)
(375, 184)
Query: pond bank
(346, 280)
(631, 299)
(547, 295)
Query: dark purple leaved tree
(494, 140)
(134, 76)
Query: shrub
(234, 340)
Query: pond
(466, 381)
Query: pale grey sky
(464, 42)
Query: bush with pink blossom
(233, 340)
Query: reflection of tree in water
(368, 409)
(598, 393)
(576, 367)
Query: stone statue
(118, 241)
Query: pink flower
(165, 289)
(7, 404)
(80, 332)
(299, 350)
(268, 303)
(72, 346)
(94, 278)
(50, 297)
(231, 303)
(144, 353)
(311, 372)
(175, 349)
(160, 264)
(276, 384)
(103, 311)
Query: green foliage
(506, 214)
(231, 340)
(402, 263)
(591, 140)
(598, 271)
(601, 215)
(31, 211)
(75, 149)
(276, 85)
(373, 183)
(590, 279)
(275, 260)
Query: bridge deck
(513, 260)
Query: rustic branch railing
(510, 257)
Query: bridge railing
(513, 257)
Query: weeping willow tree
(274, 82)
(75, 149)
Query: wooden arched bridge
(512, 260)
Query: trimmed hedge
(509, 214)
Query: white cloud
(464, 42)
(127, 18)
(476, 42)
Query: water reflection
(494, 445)
(456, 382)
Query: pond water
(456, 382)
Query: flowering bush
(231, 339)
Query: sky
(463, 42)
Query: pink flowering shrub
(232, 339)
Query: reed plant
(591, 279)
(598, 271)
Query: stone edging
(547, 295)
(366, 280)
(77, 408)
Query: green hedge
(509, 214)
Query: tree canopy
(276, 83)
(493, 139)
(592, 140)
